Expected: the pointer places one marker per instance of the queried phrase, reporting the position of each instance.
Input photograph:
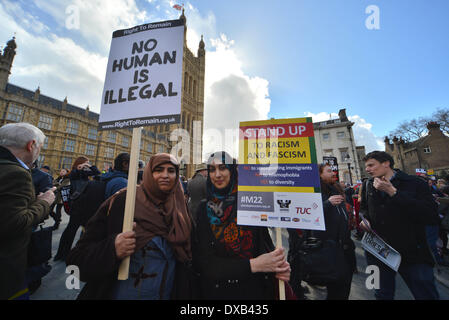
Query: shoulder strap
(113, 197)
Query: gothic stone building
(72, 131)
(428, 152)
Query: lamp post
(347, 158)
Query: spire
(184, 21)
(37, 93)
(64, 104)
(201, 48)
(183, 17)
(6, 61)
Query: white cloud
(73, 62)
(58, 65)
(98, 19)
(363, 134)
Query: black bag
(86, 199)
(321, 262)
(39, 248)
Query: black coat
(223, 276)
(42, 181)
(336, 220)
(400, 220)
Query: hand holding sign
(125, 244)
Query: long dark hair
(78, 161)
(327, 188)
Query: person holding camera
(79, 177)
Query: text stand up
(279, 245)
(130, 197)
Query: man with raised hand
(397, 207)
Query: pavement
(54, 284)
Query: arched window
(186, 78)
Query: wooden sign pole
(130, 196)
(279, 245)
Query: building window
(125, 141)
(112, 136)
(15, 113)
(90, 149)
(161, 149)
(92, 133)
(427, 150)
(72, 126)
(194, 89)
(340, 135)
(150, 147)
(40, 160)
(45, 146)
(45, 122)
(69, 145)
(326, 136)
(109, 153)
(66, 163)
(344, 155)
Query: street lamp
(347, 158)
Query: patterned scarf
(222, 212)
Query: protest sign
(144, 76)
(142, 88)
(333, 163)
(279, 183)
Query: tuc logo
(301, 210)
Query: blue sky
(292, 58)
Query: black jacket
(42, 181)
(400, 220)
(336, 220)
(227, 277)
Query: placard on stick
(143, 87)
(279, 184)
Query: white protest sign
(144, 77)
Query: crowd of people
(186, 242)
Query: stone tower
(6, 60)
(192, 109)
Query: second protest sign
(279, 184)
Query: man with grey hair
(20, 208)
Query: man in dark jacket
(397, 207)
(20, 208)
(42, 181)
(117, 178)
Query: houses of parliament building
(72, 131)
